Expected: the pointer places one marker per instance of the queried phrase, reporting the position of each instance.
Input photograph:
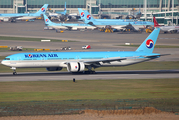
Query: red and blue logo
(47, 20)
(82, 14)
(43, 9)
(88, 17)
(76, 67)
(149, 43)
(30, 55)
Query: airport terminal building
(94, 6)
(21, 6)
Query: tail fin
(47, 20)
(81, 13)
(149, 43)
(85, 15)
(155, 23)
(88, 17)
(42, 10)
(65, 9)
(64, 12)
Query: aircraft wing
(14, 17)
(104, 60)
(17, 16)
(96, 62)
(131, 27)
(107, 60)
(69, 27)
(91, 23)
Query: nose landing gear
(14, 70)
(14, 73)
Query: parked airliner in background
(23, 16)
(68, 26)
(58, 15)
(82, 14)
(121, 24)
(78, 61)
(166, 28)
(63, 16)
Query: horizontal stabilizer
(150, 56)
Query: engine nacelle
(54, 68)
(5, 19)
(75, 67)
(74, 28)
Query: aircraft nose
(4, 63)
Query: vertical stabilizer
(64, 12)
(85, 16)
(47, 20)
(81, 13)
(155, 23)
(42, 10)
(149, 43)
(65, 9)
(88, 17)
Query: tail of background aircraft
(149, 43)
(65, 9)
(155, 23)
(81, 13)
(42, 10)
(85, 15)
(47, 20)
(64, 12)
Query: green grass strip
(85, 90)
(29, 39)
(8, 50)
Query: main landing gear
(90, 71)
(14, 70)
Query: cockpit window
(7, 59)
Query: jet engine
(74, 28)
(75, 67)
(54, 68)
(5, 19)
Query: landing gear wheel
(14, 73)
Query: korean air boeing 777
(23, 16)
(70, 26)
(78, 61)
(116, 24)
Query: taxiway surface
(101, 75)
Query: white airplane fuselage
(169, 28)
